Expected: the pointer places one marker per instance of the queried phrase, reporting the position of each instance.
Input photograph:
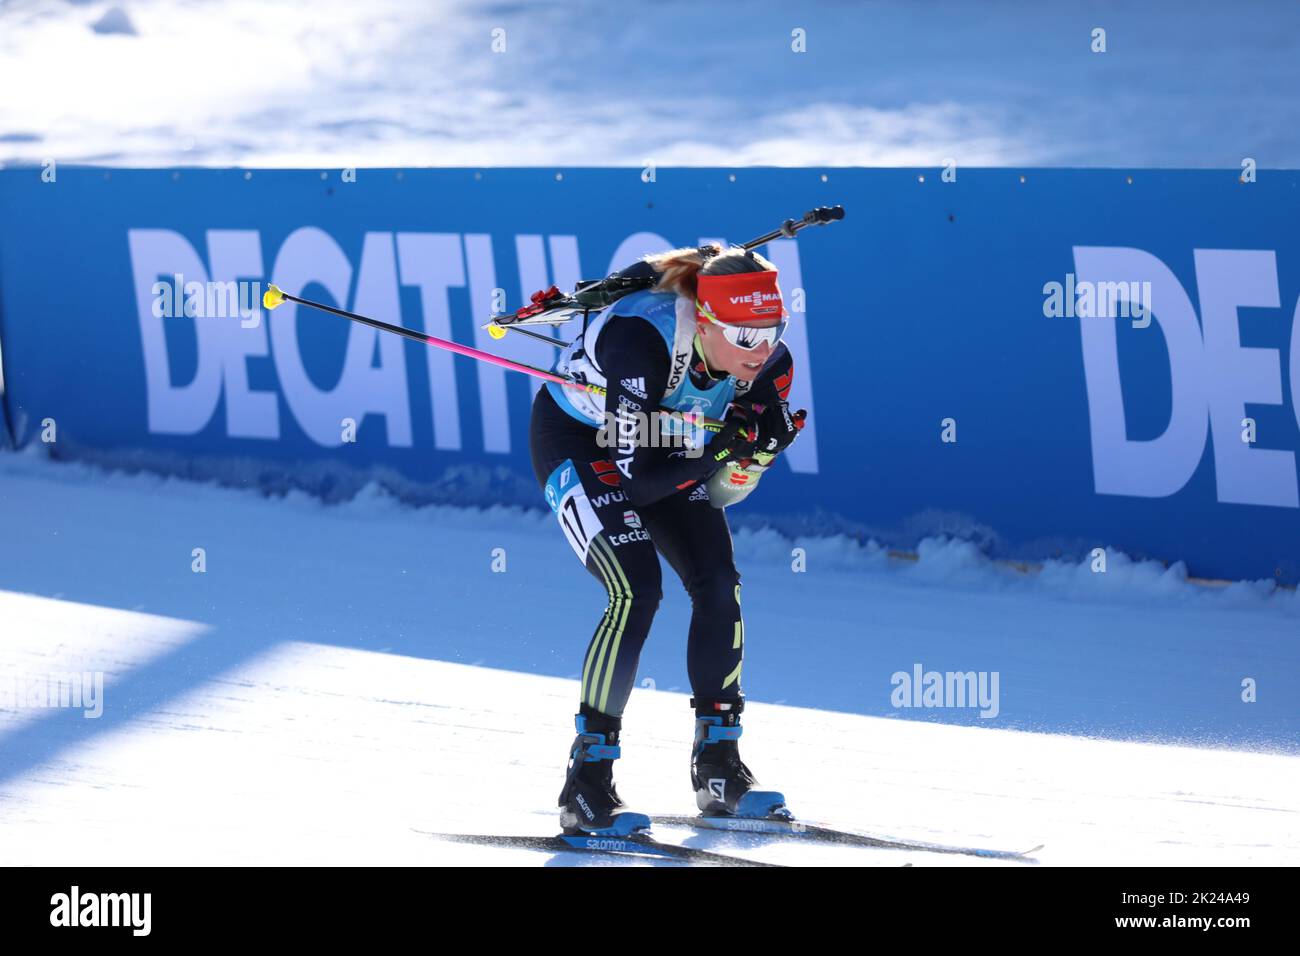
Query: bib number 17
(566, 496)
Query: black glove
(779, 427)
(739, 436)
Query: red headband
(741, 296)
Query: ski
(643, 847)
(808, 831)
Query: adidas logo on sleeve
(635, 385)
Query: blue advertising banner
(1048, 361)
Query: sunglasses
(745, 336)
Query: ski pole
(275, 296)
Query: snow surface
(1184, 83)
(344, 675)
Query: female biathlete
(626, 481)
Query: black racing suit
(658, 500)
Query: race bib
(565, 495)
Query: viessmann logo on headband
(756, 300)
(743, 296)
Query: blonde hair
(679, 269)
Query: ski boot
(724, 786)
(589, 803)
